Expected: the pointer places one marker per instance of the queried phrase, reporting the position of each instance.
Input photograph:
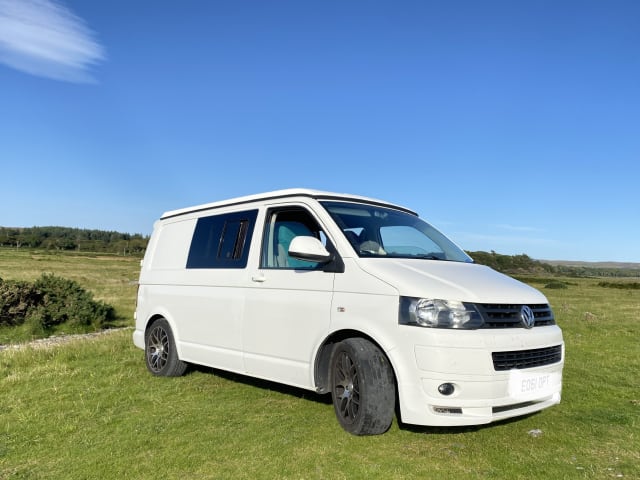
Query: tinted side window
(222, 241)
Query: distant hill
(573, 263)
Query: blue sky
(511, 126)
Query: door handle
(258, 278)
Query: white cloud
(44, 38)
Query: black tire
(160, 351)
(362, 387)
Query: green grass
(89, 409)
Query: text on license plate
(528, 385)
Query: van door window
(281, 227)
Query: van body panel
(170, 250)
(287, 313)
(360, 300)
(357, 280)
(205, 321)
(467, 282)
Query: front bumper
(480, 393)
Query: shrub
(16, 299)
(556, 284)
(65, 301)
(622, 286)
(51, 302)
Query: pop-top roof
(278, 194)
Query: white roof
(290, 192)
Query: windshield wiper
(426, 256)
(429, 256)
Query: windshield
(375, 231)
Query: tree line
(78, 239)
(511, 263)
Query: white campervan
(351, 296)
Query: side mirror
(309, 249)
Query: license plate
(531, 385)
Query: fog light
(446, 389)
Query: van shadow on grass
(296, 392)
(325, 399)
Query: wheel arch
(152, 319)
(323, 357)
(162, 313)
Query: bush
(16, 301)
(51, 302)
(622, 286)
(556, 284)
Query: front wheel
(160, 351)
(362, 387)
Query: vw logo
(527, 316)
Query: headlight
(436, 313)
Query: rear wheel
(160, 351)
(362, 387)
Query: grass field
(89, 409)
(110, 278)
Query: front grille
(520, 359)
(508, 316)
